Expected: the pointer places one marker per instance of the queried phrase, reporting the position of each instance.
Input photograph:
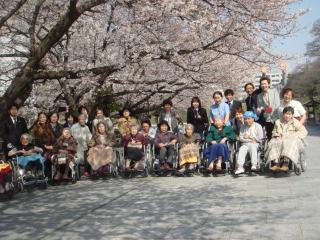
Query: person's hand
(48, 147)
(223, 140)
(173, 141)
(213, 142)
(246, 135)
(259, 110)
(254, 141)
(161, 145)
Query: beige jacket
(293, 127)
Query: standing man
(251, 100)
(233, 104)
(13, 127)
(268, 102)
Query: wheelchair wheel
(145, 172)
(297, 170)
(303, 162)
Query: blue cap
(250, 114)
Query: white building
(274, 77)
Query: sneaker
(275, 168)
(239, 171)
(253, 168)
(284, 168)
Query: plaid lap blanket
(189, 153)
(289, 147)
(100, 156)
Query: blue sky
(296, 45)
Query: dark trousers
(166, 153)
(269, 128)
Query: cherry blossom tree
(146, 50)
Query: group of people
(90, 141)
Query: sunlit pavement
(248, 207)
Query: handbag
(62, 159)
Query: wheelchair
(155, 165)
(29, 171)
(227, 165)
(260, 168)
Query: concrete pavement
(260, 207)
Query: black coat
(251, 101)
(235, 104)
(201, 123)
(11, 133)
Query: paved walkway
(261, 207)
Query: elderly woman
(217, 138)
(288, 101)
(148, 131)
(169, 115)
(65, 148)
(125, 121)
(101, 118)
(219, 109)
(164, 143)
(134, 145)
(100, 154)
(287, 141)
(81, 133)
(251, 134)
(189, 148)
(28, 155)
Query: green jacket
(213, 134)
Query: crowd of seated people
(90, 141)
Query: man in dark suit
(233, 104)
(12, 127)
(251, 100)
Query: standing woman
(288, 101)
(70, 120)
(55, 125)
(197, 116)
(44, 138)
(84, 110)
(219, 109)
(170, 116)
(126, 121)
(100, 117)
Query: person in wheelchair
(165, 145)
(134, 148)
(188, 149)
(100, 154)
(251, 135)
(6, 172)
(28, 156)
(287, 141)
(217, 138)
(65, 148)
(148, 131)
